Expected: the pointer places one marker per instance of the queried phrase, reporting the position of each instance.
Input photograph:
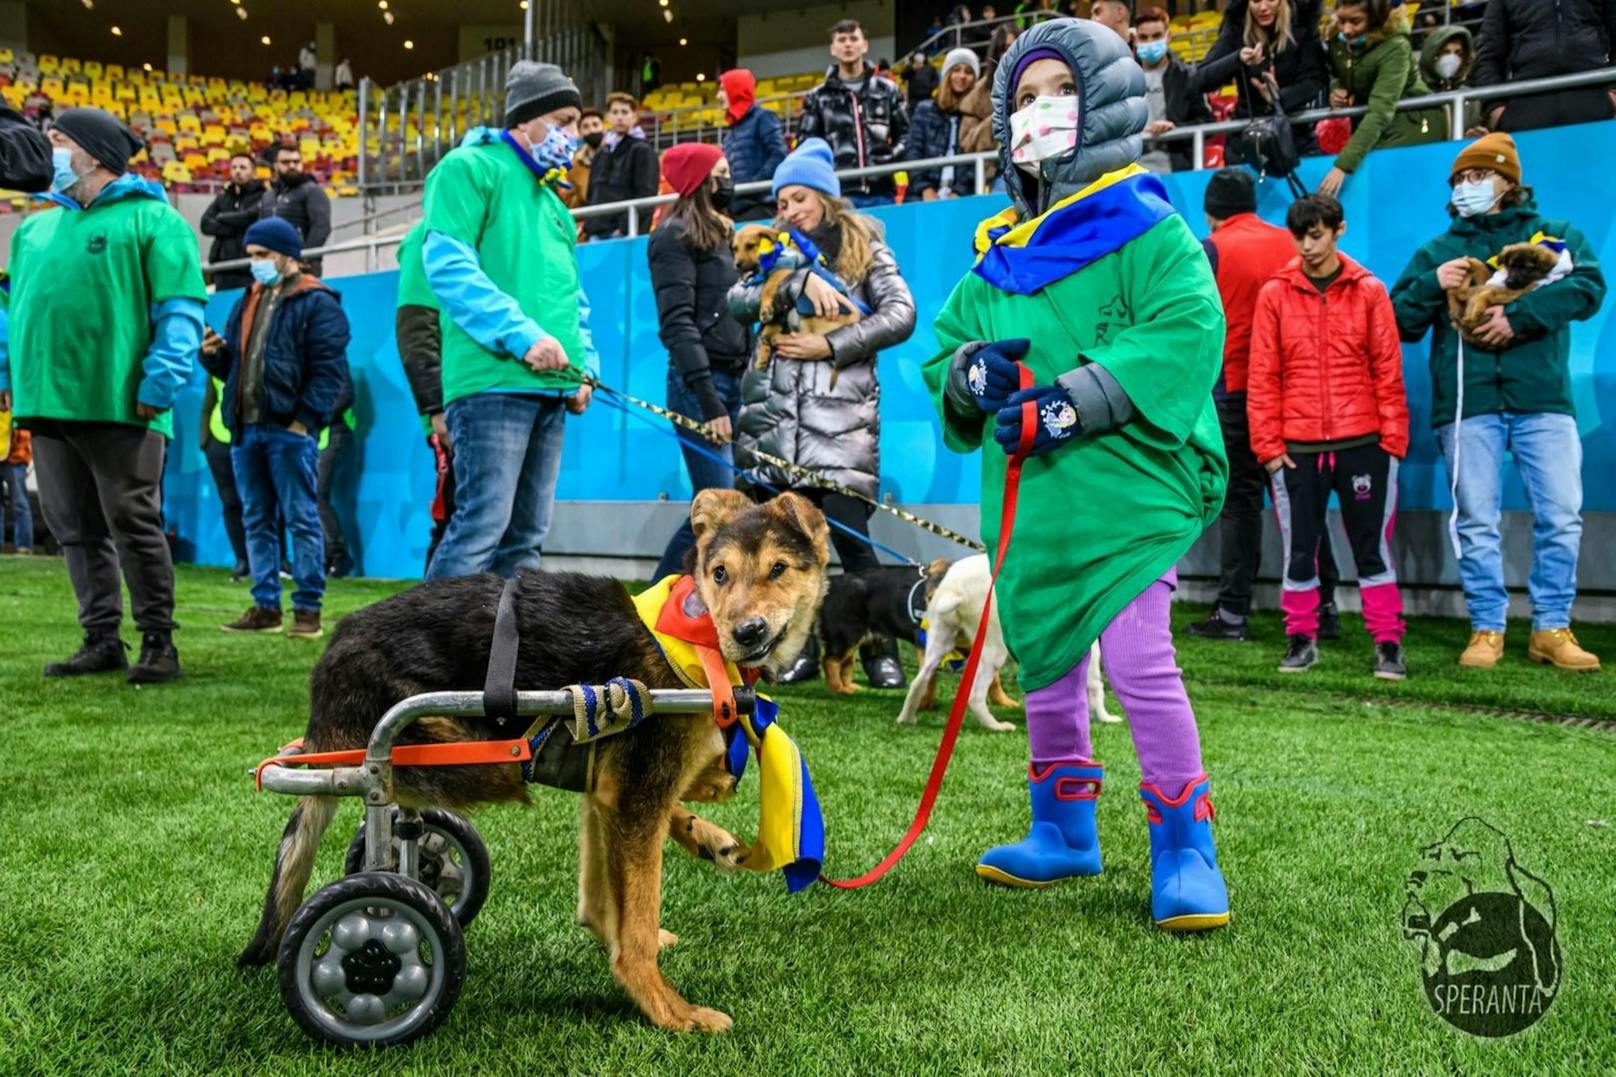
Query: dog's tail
(294, 862)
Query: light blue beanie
(810, 165)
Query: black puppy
(869, 605)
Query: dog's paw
(999, 727)
(1108, 718)
(703, 1019)
(713, 843)
(666, 938)
(907, 719)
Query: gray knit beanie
(533, 89)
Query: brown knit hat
(1495, 151)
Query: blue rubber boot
(1062, 842)
(1186, 887)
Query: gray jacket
(790, 409)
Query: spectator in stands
(1262, 40)
(933, 29)
(306, 59)
(592, 132)
(1511, 379)
(650, 73)
(976, 110)
(1530, 39)
(25, 154)
(93, 372)
(859, 113)
(935, 132)
(343, 79)
(1328, 413)
(420, 347)
(283, 361)
(1115, 14)
(624, 167)
(1373, 64)
(215, 441)
(919, 81)
(227, 217)
(295, 196)
(16, 451)
(793, 408)
(1245, 251)
(692, 272)
(754, 145)
(1445, 62)
(499, 256)
(1027, 12)
(1170, 91)
(982, 34)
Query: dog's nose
(750, 633)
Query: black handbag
(1270, 143)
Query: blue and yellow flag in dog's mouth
(1026, 257)
(791, 830)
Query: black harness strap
(499, 688)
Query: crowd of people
(493, 331)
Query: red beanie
(687, 165)
(740, 86)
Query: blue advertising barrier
(1394, 203)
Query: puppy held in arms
(1514, 271)
(784, 261)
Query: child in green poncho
(1092, 283)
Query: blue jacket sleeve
(325, 350)
(478, 307)
(176, 340)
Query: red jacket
(1248, 250)
(1325, 367)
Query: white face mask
(1448, 65)
(1043, 130)
(1473, 198)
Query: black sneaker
(1216, 627)
(159, 661)
(100, 653)
(881, 666)
(1300, 656)
(1329, 621)
(1389, 661)
(805, 668)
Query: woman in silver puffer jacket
(790, 409)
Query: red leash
(962, 696)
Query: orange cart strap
(462, 753)
(712, 662)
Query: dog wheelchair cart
(377, 958)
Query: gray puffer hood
(1112, 110)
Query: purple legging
(1137, 649)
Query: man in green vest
(500, 258)
(105, 318)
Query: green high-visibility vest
(346, 418)
(216, 427)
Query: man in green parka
(1093, 284)
(105, 320)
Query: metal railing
(1454, 100)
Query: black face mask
(723, 192)
(594, 139)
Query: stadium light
(667, 15)
(117, 31)
(684, 41)
(145, 67)
(241, 13)
(90, 4)
(387, 17)
(382, 4)
(408, 44)
(662, 3)
(264, 40)
(700, 77)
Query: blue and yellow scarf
(791, 831)
(1024, 258)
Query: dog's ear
(938, 568)
(713, 508)
(805, 515)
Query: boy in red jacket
(1327, 410)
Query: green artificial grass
(135, 854)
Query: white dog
(952, 613)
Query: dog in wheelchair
(760, 571)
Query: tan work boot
(1484, 650)
(305, 625)
(256, 619)
(1559, 648)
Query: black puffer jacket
(626, 170)
(692, 295)
(864, 122)
(302, 202)
(226, 219)
(1533, 39)
(935, 133)
(1300, 68)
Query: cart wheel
(374, 959)
(454, 861)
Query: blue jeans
(275, 476)
(507, 455)
(1548, 454)
(705, 473)
(14, 502)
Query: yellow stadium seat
(112, 71)
(70, 65)
(7, 56)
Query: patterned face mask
(555, 150)
(1043, 130)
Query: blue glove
(1057, 420)
(992, 374)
